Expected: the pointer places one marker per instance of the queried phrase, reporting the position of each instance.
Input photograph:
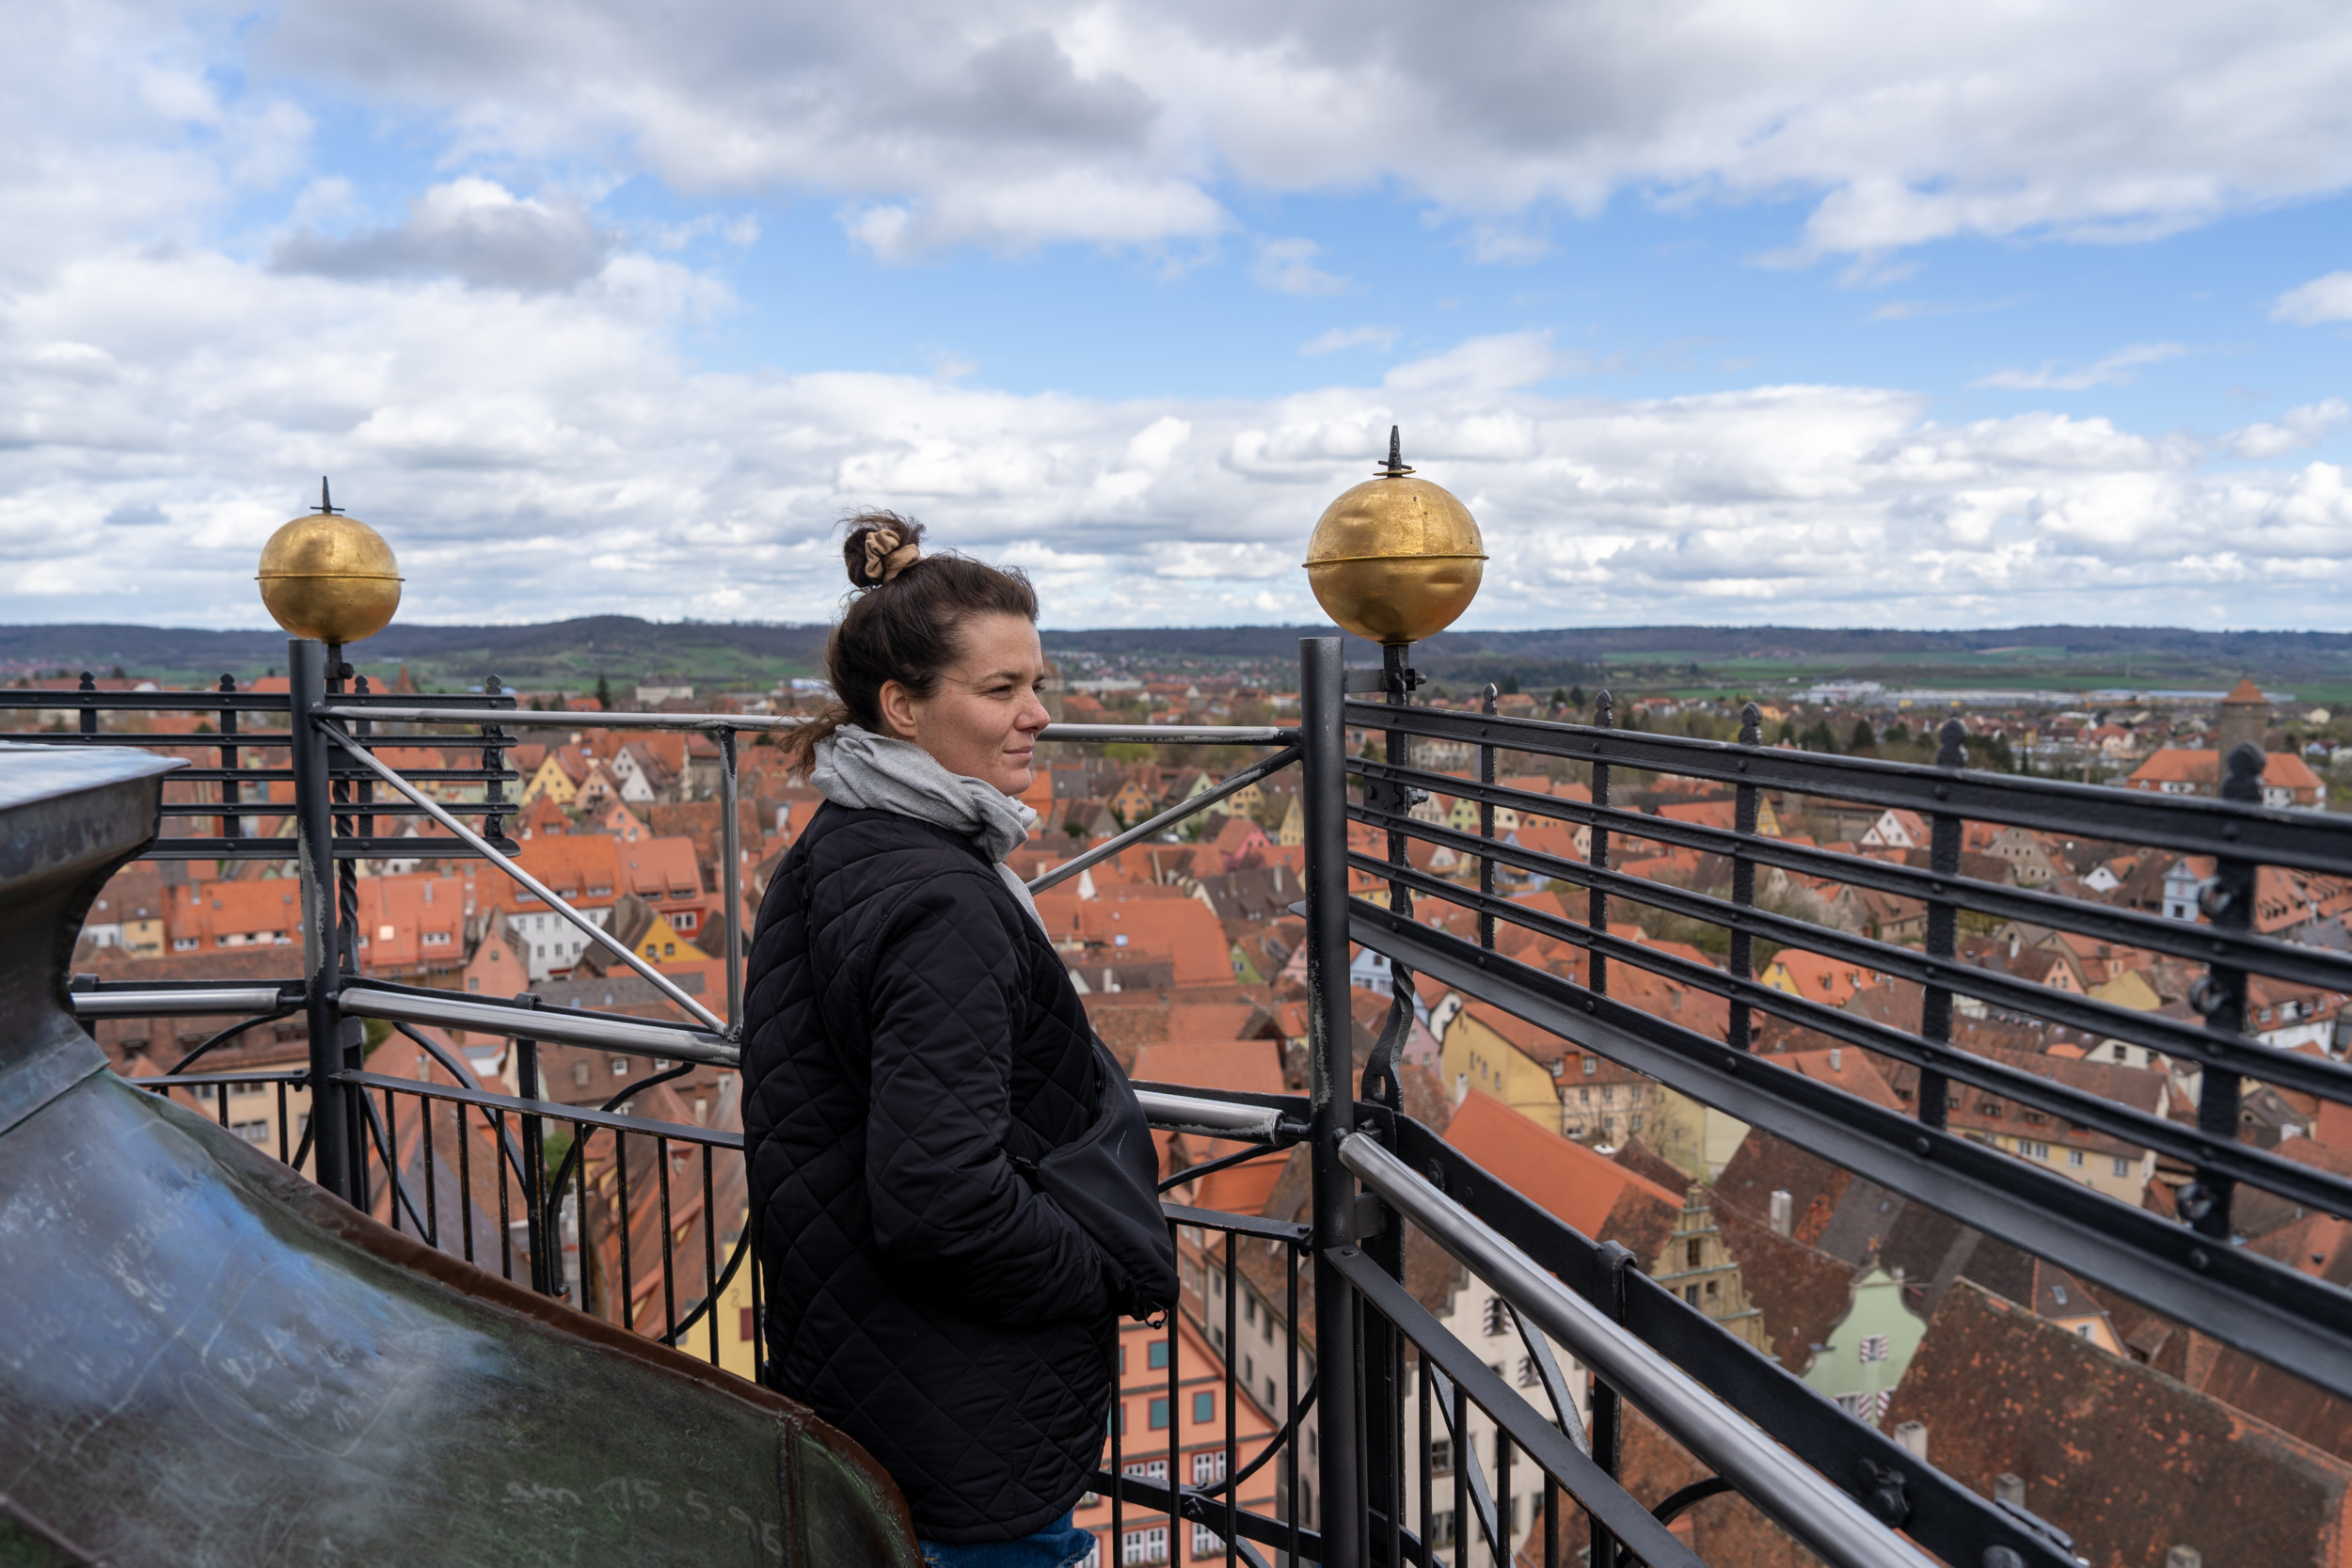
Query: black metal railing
(1375, 1447)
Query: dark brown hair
(906, 627)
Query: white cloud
(2323, 299)
(1494, 246)
(1114, 121)
(470, 229)
(1382, 338)
(2116, 370)
(1505, 359)
(495, 381)
(2300, 427)
(538, 456)
(1914, 309)
(1288, 267)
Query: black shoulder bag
(1108, 1182)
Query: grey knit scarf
(864, 771)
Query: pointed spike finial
(326, 502)
(1395, 467)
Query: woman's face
(982, 720)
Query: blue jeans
(1058, 1545)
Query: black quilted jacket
(904, 1019)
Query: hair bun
(881, 545)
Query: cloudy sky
(1836, 314)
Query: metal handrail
(2194, 941)
(1170, 734)
(1215, 1119)
(2308, 840)
(145, 1003)
(563, 1025)
(1805, 1503)
(548, 718)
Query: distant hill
(624, 648)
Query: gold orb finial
(329, 577)
(1396, 559)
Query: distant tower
(2243, 716)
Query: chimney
(1836, 1059)
(1783, 1214)
(2010, 1488)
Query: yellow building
(1293, 830)
(552, 782)
(661, 940)
(1247, 802)
(1476, 1052)
(143, 939)
(1699, 1140)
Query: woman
(911, 1048)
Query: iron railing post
(535, 1163)
(351, 1034)
(232, 826)
(1744, 819)
(1943, 933)
(1607, 1414)
(1381, 1411)
(330, 1115)
(1486, 825)
(493, 763)
(1331, 1057)
(1597, 856)
(731, 878)
(2228, 901)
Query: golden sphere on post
(1396, 559)
(329, 577)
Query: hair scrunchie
(885, 558)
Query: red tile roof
(1587, 1190)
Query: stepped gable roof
(1996, 1387)
(1576, 1185)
